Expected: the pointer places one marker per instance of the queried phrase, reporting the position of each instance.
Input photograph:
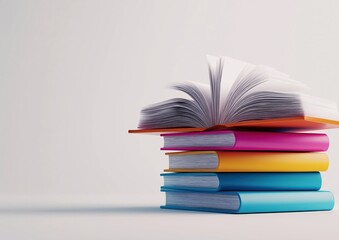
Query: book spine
(279, 201)
(261, 141)
(271, 162)
(308, 181)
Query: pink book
(246, 141)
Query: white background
(75, 74)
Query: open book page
(201, 98)
(319, 107)
(181, 112)
(215, 70)
(261, 92)
(232, 68)
(237, 92)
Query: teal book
(244, 181)
(249, 201)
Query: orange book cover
(302, 123)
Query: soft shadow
(126, 210)
(83, 210)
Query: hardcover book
(249, 201)
(250, 141)
(240, 181)
(240, 95)
(232, 161)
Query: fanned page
(240, 93)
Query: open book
(241, 94)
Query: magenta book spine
(267, 141)
(257, 141)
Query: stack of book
(245, 172)
(245, 143)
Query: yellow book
(219, 161)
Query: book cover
(298, 123)
(232, 161)
(254, 181)
(245, 140)
(249, 201)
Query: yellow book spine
(272, 162)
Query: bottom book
(249, 201)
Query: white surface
(135, 222)
(74, 75)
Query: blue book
(245, 181)
(249, 201)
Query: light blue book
(249, 181)
(249, 201)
